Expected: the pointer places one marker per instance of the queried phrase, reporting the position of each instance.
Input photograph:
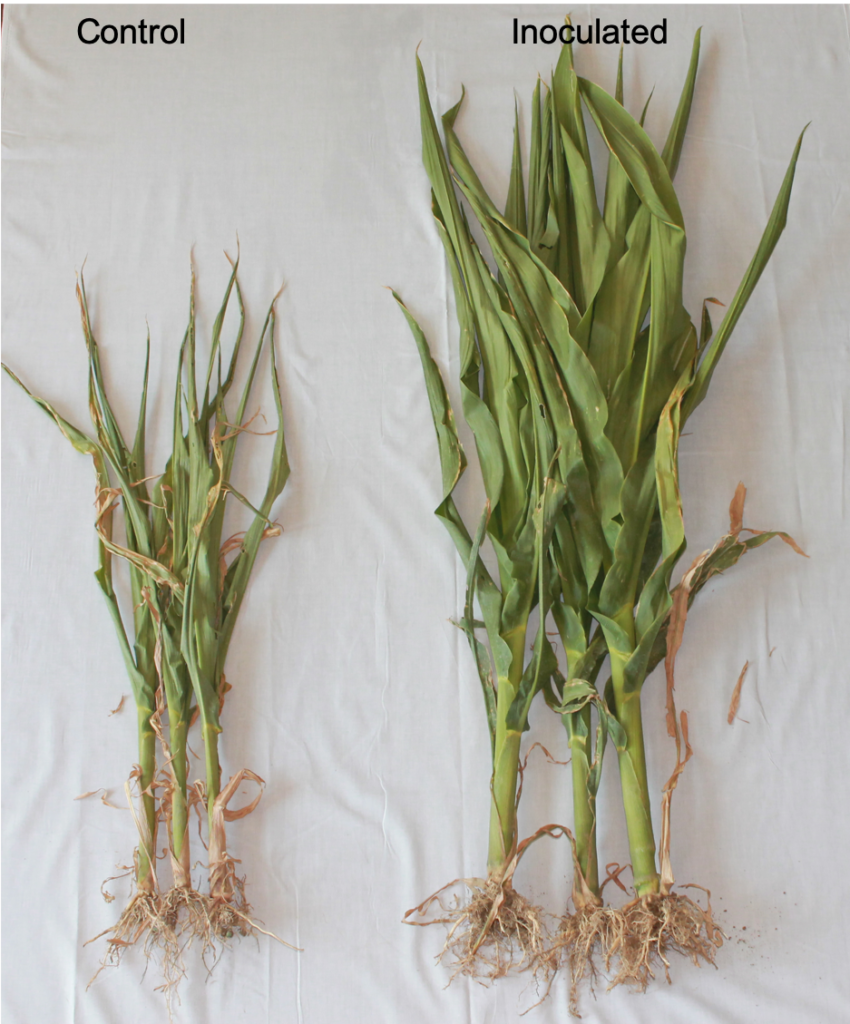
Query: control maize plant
(186, 584)
(579, 366)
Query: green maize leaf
(540, 314)
(611, 325)
(215, 347)
(504, 388)
(643, 113)
(651, 551)
(228, 442)
(538, 196)
(102, 416)
(237, 346)
(451, 454)
(589, 664)
(177, 496)
(571, 631)
(80, 441)
(137, 455)
(705, 329)
(576, 694)
(615, 730)
(673, 147)
(562, 211)
(142, 679)
(593, 240)
(567, 106)
(775, 227)
(545, 239)
(568, 560)
(452, 458)
(244, 563)
(539, 670)
(593, 247)
(621, 201)
(144, 688)
(654, 604)
(490, 218)
(482, 658)
(634, 150)
(190, 365)
(519, 581)
(619, 639)
(617, 597)
(618, 88)
(136, 474)
(544, 663)
(112, 442)
(437, 169)
(515, 205)
(672, 337)
(495, 353)
(485, 428)
(578, 697)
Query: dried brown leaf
(736, 510)
(736, 695)
(104, 798)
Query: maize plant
(187, 583)
(579, 366)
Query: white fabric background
(354, 696)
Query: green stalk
(584, 802)
(210, 733)
(145, 873)
(503, 834)
(503, 785)
(178, 730)
(636, 802)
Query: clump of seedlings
(187, 582)
(579, 366)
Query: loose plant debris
(735, 702)
(579, 366)
(187, 583)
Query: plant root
(493, 933)
(212, 921)
(633, 941)
(655, 926)
(592, 931)
(145, 921)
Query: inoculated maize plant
(186, 586)
(579, 365)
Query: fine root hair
(584, 938)
(496, 931)
(632, 943)
(655, 926)
(165, 926)
(211, 921)
(147, 923)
